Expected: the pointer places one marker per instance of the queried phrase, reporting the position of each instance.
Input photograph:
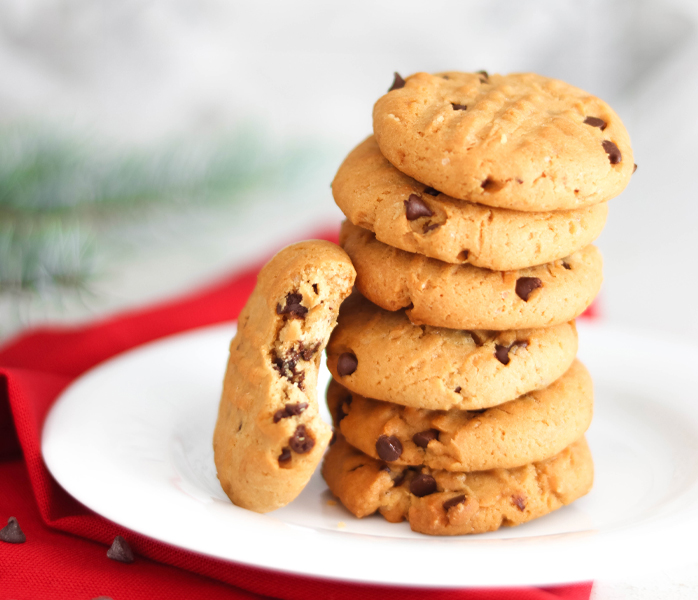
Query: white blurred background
(150, 147)
(141, 94)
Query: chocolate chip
(398, 82)
(485, 76)
(431, 191)
(290, 410)
(415, 208)
(12, 532)
(388, 448)
(308, 352)
(285, 456)
(526, 285)
(455, 501)
(566, 265)
(479, 337)
(423, 438)
(340, 409)
(463, 255)
(430, 226)
(423, 485)
(458, 106)
(301, 441)
(612, 151)
(315, 289)
(288, 369)
(502, 353)
(120, 550)
(293, 410)
(385, 468)
(596, 122)
(347, 363)
(519, 501)
(634, 167)
(458, 389)
(488, 183)
(400, 479)
(293, 306)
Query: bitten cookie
(519, 141)
(438, 502)
(467, 297)
(533, 427)
(408, 215)
(269, 437)
(381, 354)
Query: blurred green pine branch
(58, 188)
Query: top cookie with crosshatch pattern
(520, 141)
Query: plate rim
(160, 343)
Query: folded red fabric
(34, 369)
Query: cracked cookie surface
(531, 428)
(440, 368)
(520, 141)
(467, 297)
(408, 215)
(269, 437)
(438, 502)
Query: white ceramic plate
(132, 440)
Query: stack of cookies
(457, 398)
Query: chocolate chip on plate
(120, 550)
(389, 448)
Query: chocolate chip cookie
(380, 354)
(533, 427)
(519, 141)
(467, 297)
(438, 502)
(411, 216)
(269, 437)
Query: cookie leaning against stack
(269, 437)
(457, 398)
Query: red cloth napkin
(64, 556)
